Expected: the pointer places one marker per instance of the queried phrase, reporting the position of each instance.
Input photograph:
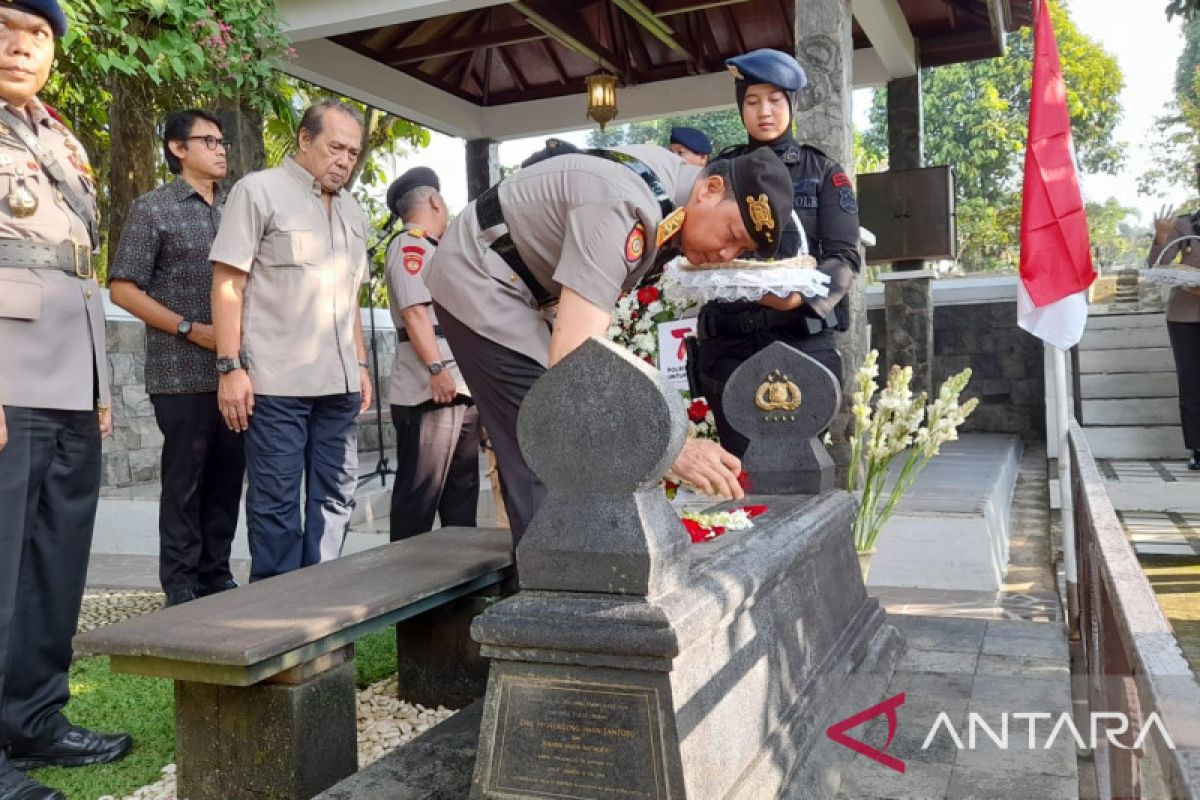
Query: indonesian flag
(1056, 255)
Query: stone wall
(132, 454)
(1006, 362)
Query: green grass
(145, 707)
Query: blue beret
(692, 139)
(414, 178)
(768, 66)
(48, 10)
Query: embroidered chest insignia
(414, 258)
(671, 225)
(760, 213)
(635, 243)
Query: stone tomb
(634, 664)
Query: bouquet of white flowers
(892, 428)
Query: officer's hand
(792, 301)
(203, 335)
(443, 387)
(235, 399)
(3, 429)
(365, 391)
(105, 417)
(710, 468)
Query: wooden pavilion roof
(538, 49)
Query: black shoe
(78, 747)
(216, 588)
(1194, 464)
(178, 597)
(16, 785)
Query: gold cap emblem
(760, 213)
(777, 393)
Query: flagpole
(1065, 494)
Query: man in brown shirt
(288, 262)
(54, 408)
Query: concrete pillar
(824, 119)
(908, 309)
(906, 131)
(483, 166)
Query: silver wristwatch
(436, 367)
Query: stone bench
(264, 675)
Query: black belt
(70, 257)
(490, 215)
(729, 324)
(402, 333)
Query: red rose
(647, 295)
(697, 411)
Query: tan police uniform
(305, 269)
(299, 313)
(1183, 326)
(578, 221)
(51, 321)
(437, 445)
(407, 255)
(53, 375)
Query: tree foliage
(1188, 9)
(976, 120)
(1176, 146)
(723, 128)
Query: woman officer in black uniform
(730, 332)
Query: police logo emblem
(635, 243)
(760, 213)
(414, 259)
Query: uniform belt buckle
(82, 258)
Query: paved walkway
(983, 654)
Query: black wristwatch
(225, 364)
(183, 329)
(436, 367)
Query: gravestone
(782, 400)
(635, 664)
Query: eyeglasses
(212, 142)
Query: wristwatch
(183, 329)
(436, 367)
(225, 364)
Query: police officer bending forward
(575, 231)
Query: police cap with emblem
(766, 66)
(413, 179)
(762, 188)
(692, 139)
(48, 10)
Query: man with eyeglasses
(288, 261)
(162, 275)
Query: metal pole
(1065, 493)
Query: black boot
(1194, 464)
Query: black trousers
(203, 463)
(499, 379)
(720, 356)
(1185, 344)
(49, 486)
(437, 466)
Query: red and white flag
(1056, 254)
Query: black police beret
(762, 187)
(692, 139)
(414, 178)
(768, 66)
(48, 10)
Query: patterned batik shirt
(164, 250)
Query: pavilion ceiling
(535, 49)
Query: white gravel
(384, 721)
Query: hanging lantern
(602, 97)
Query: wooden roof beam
(467, 44)
(569, 33)
(666, 8)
